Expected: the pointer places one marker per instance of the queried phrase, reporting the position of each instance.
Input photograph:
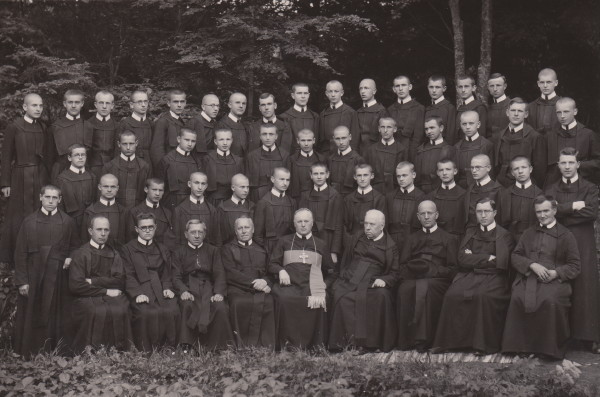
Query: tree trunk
(485, 51)
(459, 40)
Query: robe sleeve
(116, 279)
(234, 275)
(572, 265)
(473, 260)
(260, 212)
(178, 283)
(166, 277)
(518, 258)
(391, 278)
(132, 285)
(8, 148)
(218, 274)
(78, 274)
(276, 262)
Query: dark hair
(143, 216)
(487, 200)
(542, 198)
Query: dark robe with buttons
(426, 164)
(402, 219)
(273, 218)
(252, 312)
(299, 121)
(99, 320)
(162, 217)
(477, 106)
(203, 211)
(143, 133)
(497, 120)
(410, 120)
(542, 115)
(341, 171)
(516, 210)
(450, 204)
(200, 272)
(132, 176)
(446, 110)
(78, 192)
(117, 216)
(526, 142)
(24, 169)
(149, 271)
(421, 291)
(239, 145)
(284, 135)
(475, 193)
(164, 136)
(585, 313)
(43, 317)
(219, 171)
(384, 159)
(465, 151)
(205, 134)
(259, 169)
(475, 305)
(299, 166)
(297, 325)
(356, 206)
(327, 207)
(62, 134)
(368, 123)
(538, 314)
(228, 212)
(364, 315)
(329, 120)
(175, 169)
(104, 138)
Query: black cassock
(203, 211)
(273, 218)
(327, 207)
(299, 165)
(117, 216)
(465, 151)
(341, 170)
(384, 158)
(402, 214)
(78, 193)
(426, 163)
(228, 212)
(516, 210)
(476, 192)
(450, 204)
(162, 217)
(132, 176)
(143, 132)
(252, 312)
(477, 106)
(62, 134)
(299, 120)
(356, 206)
(368, 122)
(259, 169)
(542, 114)
(410, 117)
(175, 169)
(104, 135)
(220, 168)
(446, 110)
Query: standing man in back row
(369, 115)
(440, 106)
(336, 114)
(409, 115)
(299, 116)
(542, 111)
(168, 126)
(140, 124)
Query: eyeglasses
(141, 102)
(147, 228)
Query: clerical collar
(484, 181)
(405, 100)
(430, 229)
(517, 128)
(137, 117)
(500, 98)
(320, 188)
(222, 153)
(197, 201)
(277, 193)
(365, 190)
(408, 189)
(309, 235)
(271, 120)
(570, 126)
(440, 99)
(303, 153)
(174, 115)
(525, 185)
(151, 204)
(550, 226)
(378, 237)
(128, 158)
(572, 179)
(45, 211)
(451, 185)
(205, 116)
(102, 118)
(336, 106)
(249, 242)
(73, 118)
(77, 170)
(107, 203)
(468, 100)
(345, 152)
(144, 242)
(370, 103)
(269, 149)
(391, 141)
(488, 228)
(237, 201)
(299, 108)
(472, 138)
(181, 151)
(195, 247)
(96, 245)
(549, 96)
(437, 141)
(234, 117)
(29, 119)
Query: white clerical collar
(517, 128)
(96, 245)
(194, 246)
(174, 115)
(137, 117)
(571, 125)
(523, 185)
(205, 116)
(449, 186)
(77, 170)
(196, 201)
(550, 226)
(370, 103)
(485, 180)
(473, 138)
(309, 235)
(573, 179)
(549, 96)
(249, 242)
(379, 237)
(277, 193)
(303, 153)
(320, 188)
(128, 158)
(438, 141)
(345, 152)
(300, 109)
(28, 119)
(271, 120)
(431, 229)
(337, 105)
(237, 200)
(222, 153)
(181, 151)
(234, 118)
(365, 190)
(405, 100)
(73, 118)
(440, 99)
(269, 149)
(107, 203)
(408, 189)
(489, 227)
(469, 100)
(102, 118)
(144, 242)
(391, 141)
(151, 204)
(45, 211)
(500, 98)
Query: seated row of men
(431, 292)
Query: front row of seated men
(433, 292)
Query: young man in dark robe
(475, 305)
(429, 153)
(195, 206)
(103, 130)
(97, 282)
(384, 155)
(409, 115)
(200, 283)
(449, 198)
(299, 116)
(140, 124)
(363, 295)
(274, 212)
(341, 163)
(163, 233)
(131, 171)
(402, 204)
(233, 121)
(236, 206)
(520, 139)
(204, 124)
(220, 166)
(300, 163)
(327, 207)
(516, 201)
(465, 87)
(571, 133)
(368, 115)
(261, 162)
(441, 107)
(542, 111)
(168, 126)
(497, 119)
(546, 259)
(43, 253)
(470, 145)
(267, 106)
(108, 207)
(427, 266)
(77, 184)
(482, 186)
(251, 304)
(176, 167)
(302, 265)
(149, 284)
(24, 170)
(577, 211)
(336, 114)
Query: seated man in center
(302, 264)
(363, 302)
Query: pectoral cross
(303, 256)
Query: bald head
(210, 98)
(239, 179)
(31, 98)
(109, 178)
(33, 105)
(237, 104)
(427, 205)
(375, 216)
(367, 90)
(481, 159)
(374, 223)
(547, 72)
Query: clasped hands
(542, 273)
